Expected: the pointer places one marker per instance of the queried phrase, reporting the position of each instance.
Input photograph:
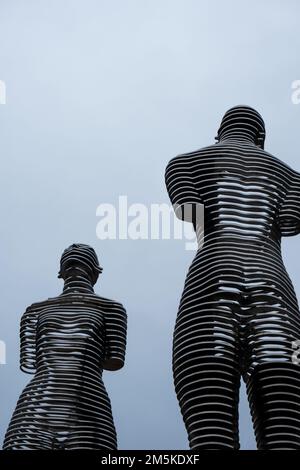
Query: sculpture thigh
(48, 418)
(238, 316)
(272, 379)
(206, 375)
(50, 439)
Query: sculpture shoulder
(278, 162)
(189, 157)
(111, 305)
(222, 147)
(259, 156)
(295, 175)
(36, 307)
(103, 303)
(292, 176)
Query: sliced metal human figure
(238, 315)
(66, 342)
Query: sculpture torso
(243, 188)
(71, 336)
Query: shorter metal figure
(66, 342)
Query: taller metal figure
(66, 342)
(238, 314)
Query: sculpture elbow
(113, 364)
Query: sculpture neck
(238, 135)
(77, 284)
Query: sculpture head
(243, 123)
(80, 260)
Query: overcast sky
(100, 95)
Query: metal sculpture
(238, 315)
(66, 342)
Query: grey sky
(100, 95)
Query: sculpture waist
(68, 372)
(211, 236)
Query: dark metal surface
(238, 314)
(66, 342)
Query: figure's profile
(238, 315)
(66, 342)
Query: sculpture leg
(90, 435)
(273, 380)
(273, 391)
(28, 437)
(84, 442)
(207, 378)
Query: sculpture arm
(28, 341)
(289, 215)
(181, 189)
(115, 337)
